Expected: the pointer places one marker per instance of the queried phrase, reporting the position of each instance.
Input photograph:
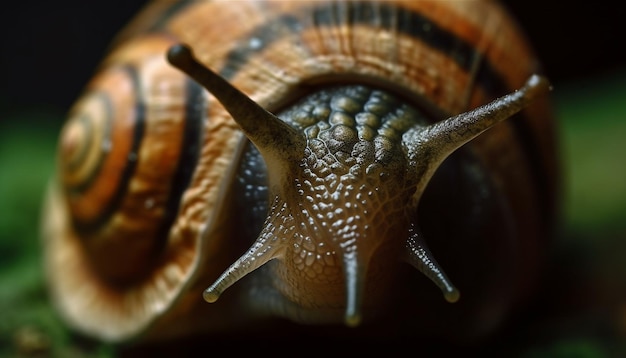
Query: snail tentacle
(354, 275)
(433, 144)
(266, 247)
(429, 146)
(419, 256)
(274, 138)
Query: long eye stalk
(265, 130)
(433, 144)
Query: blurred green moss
(29, 327)
(568, 349)
(26, 160)
(593, 117)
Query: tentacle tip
(539, 83)
(179, 55)
(452, 295)
(210, 295)
(352, 319)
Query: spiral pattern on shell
(126, 153)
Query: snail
(317, 164)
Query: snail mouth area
(313, 280)
(334, 253)
(331, 221)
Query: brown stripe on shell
(94, 126)
(132, 233)
(307, 48)
(128, 275)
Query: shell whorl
(126, 152)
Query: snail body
(176, 182)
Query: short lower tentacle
(420, 257)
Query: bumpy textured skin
(486, 212)
(355, 180)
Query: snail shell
(172, 180)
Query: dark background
(50, 48)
